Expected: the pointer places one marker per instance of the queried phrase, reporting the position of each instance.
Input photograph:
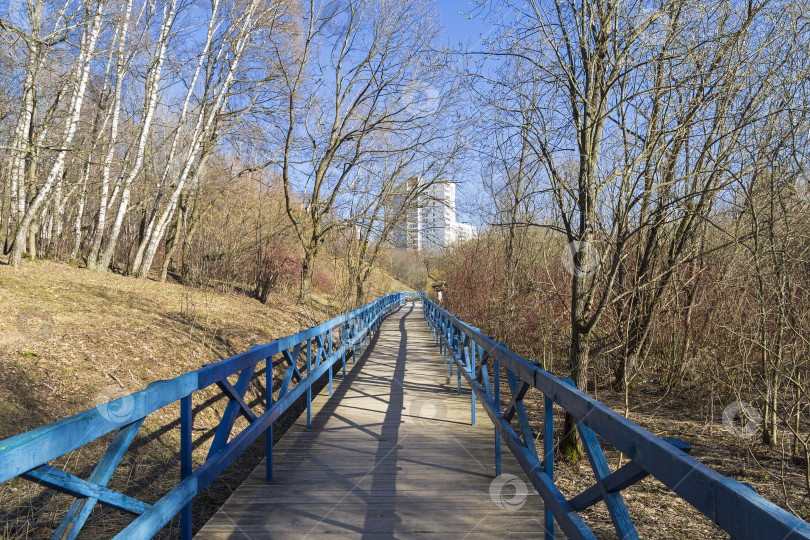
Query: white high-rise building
(431, 224)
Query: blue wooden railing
(412, 296)
(27, 455)
(733, 506)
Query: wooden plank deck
(391, 454)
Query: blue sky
(460, 28)
(463, 30)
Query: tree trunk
(77, 225)
(101, 221)
(359, 289)
(32, 240)
(307, 270)
(5, 210)
(172, 242)
(580, 349)
(89, 40)
(151, 101)
(23, 132)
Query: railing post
(439, 333)
(268, 437)
(440, 340)
(472, 376)
(362, 340)
(449, 338)
(459, 346)
(186, 424)
(343, 346)
(497, 391)
(548, 458)
(309, 388)
(328, 356)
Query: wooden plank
(390, 454)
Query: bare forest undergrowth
(656, 511)
(73, 339)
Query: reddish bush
(275, 265)
(323, 281)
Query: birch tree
(121, 64)
(47, 26)
(92, 28)
(222, 68)
(151, 94)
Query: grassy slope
(71, 339)
(75, 334)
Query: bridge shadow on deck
(385, 462)
(390, 454)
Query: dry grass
(656, 511)
(71, 339)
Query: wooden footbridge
(401, 446)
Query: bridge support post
(447, 337)
(471, 371)
(343, 346)
(440, 343)
(186, 424)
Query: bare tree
(80, 74)
(121, 64)
(656, 102)
(387, 196)
(151, 93)
(353, 71)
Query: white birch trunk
(21, 134)
(89, 40)
(120, 68)
(152, 89)
(77, 224)
(201, 133)
(212, 23)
